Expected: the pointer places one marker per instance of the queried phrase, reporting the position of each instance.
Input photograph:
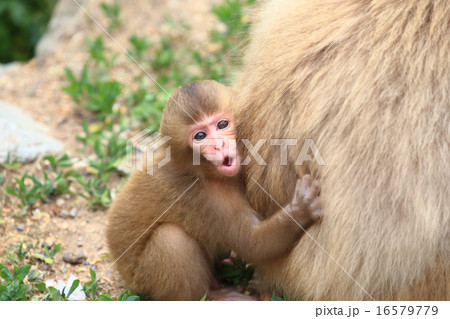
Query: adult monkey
(369, 82)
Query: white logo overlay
(141, 150)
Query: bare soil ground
(36, 87)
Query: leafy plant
(22, 23)
(128, 296)
(112, 11)
(164, 56)
(237, 273)
(56, 162)
(11, 164)
(90, 289)
(95, 94)
(109, 153)
(39, 190)
(275, 297)
(12, 286)
(97, 191)
(139, 46)
(20, 254)
(48, 254)
(28, 196)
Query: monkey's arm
(262, 240)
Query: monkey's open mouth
(227, 161)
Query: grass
(19, 282)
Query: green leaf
(56, 249)
(40, 286)
(104, 298)
(13, 257)
(133, 298)
(54, 294)
(11, 191)
(39, 256)
(33, 275)
(2, 289)
(74, 286)
(93, 274)
(23, 271)
(6, 274)
(275, 297)
(127, 296)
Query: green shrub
(22, 23)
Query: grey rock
(75, 259)
(20, 227)
(64, 213)
(73, 213)
(80, 244)
(22, 137)
(67, 19)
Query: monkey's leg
(173, 266)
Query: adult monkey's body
(369, 82)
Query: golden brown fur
(369, 82)
(166, 230)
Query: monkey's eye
(199, 136)
(222, 124)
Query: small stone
(86, 263)
(80, 244)
(37, 211)
(45, 267)
(60, 202)
(64, 214)
(20, 227)
(73, 213)
(73, 259)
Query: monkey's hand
(262, 240)
(305, 208)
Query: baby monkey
(166, 230)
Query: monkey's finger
(306, 181)
(317, 214)
(315, 204)
(298, 184)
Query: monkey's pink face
(214, 137)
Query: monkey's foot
(228, 294)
